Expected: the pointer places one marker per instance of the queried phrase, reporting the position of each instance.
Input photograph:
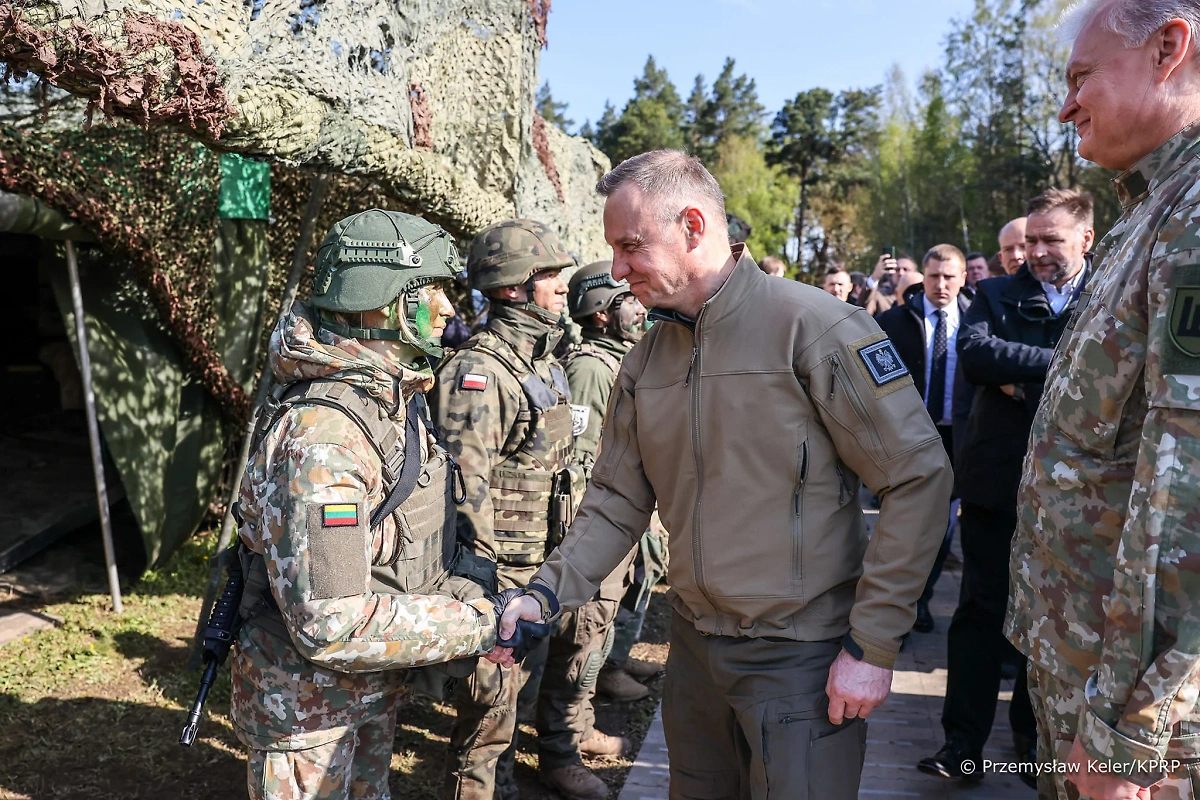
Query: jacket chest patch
(476, 383)
(339, 516)
(883, 362)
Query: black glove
(527, 635)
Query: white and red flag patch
(475, 382)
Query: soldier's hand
(855, 688)
(1095, 780)
(502, 656)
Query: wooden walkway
(907, 728)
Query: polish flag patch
(475, 382)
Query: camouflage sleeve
(591, 384)
(475, 411)
(1148, 678)
(319, 549)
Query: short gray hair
(1135, 21)
(671, 180)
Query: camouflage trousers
(1057, 705)
(483, 743)
(355, 766)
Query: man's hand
(855, 688)
(1096, 785)
(1009, 389)
(884, 265)
(521, 608)
(524, 607)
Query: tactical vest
(531, 488)
(594, 350)
(420, 556)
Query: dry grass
(93, 707)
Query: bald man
(1012, 245)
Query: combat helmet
(380, 259)
(510, 253)
(593, 289)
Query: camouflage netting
(425, 106)
(432, 99)
(120, 110)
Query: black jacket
(1007, 337)
(905, 326)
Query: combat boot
(617, 684)
(601, 745)
(574, 782)
(642, 670)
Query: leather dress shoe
(924, 621)
(953, 761)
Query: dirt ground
(93, 708)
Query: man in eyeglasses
(1005, 344)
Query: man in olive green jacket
(749, 413)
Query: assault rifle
(223, 625)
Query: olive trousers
(747, 718)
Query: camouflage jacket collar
(617, 347)
(299, 353)
(529, 336)
(1136, 183)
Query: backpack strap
(401, 465)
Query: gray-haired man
(1104, 570)
(748, 413)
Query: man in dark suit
(1007, 339)
(925, 330)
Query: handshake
(523, 618)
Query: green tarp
(162, 430)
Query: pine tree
(551, 110)
(651, 120)
(730, 109)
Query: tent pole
(85, 367)
(316, 199)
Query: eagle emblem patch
(883, 362)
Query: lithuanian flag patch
(339, 516)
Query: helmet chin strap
(402, 339)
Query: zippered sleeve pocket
(843, 397)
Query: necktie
(935, 393)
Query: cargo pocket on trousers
(803, 756)
(835, 762)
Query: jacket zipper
(797, 497)
(693, 371)
(859, 409)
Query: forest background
(835, 177)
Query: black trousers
(976, 646)
(947, 433)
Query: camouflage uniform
(509, 451)
(1103, 573)
(316, 678)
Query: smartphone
(890, 252)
